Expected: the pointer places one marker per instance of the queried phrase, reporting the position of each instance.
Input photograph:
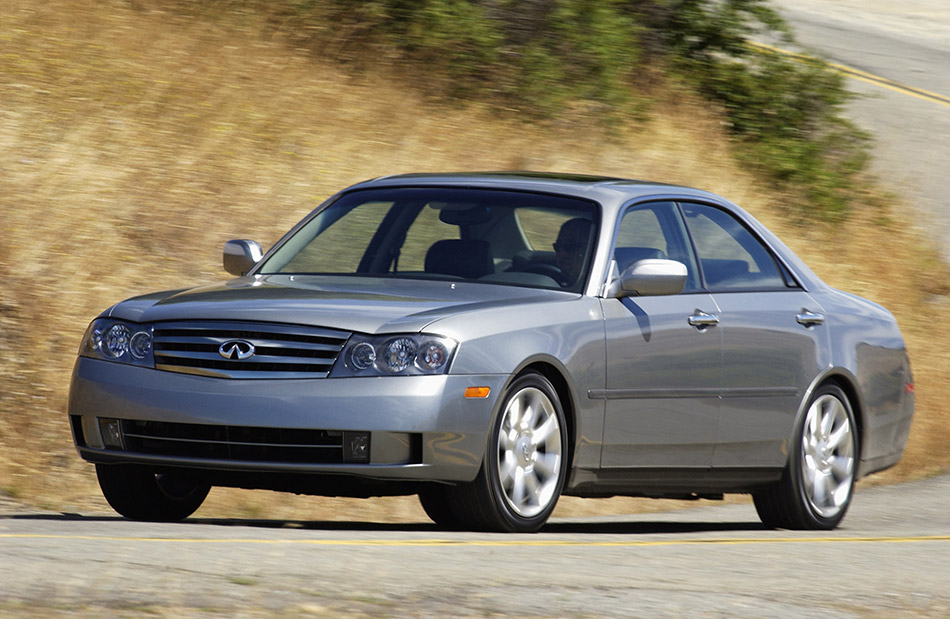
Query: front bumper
(421, 428)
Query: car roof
(605, 189)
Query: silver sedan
(491, 342)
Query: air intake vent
(246, 350)
(235, 443)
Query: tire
(818, 482)
(138, 493)
(437, 504)
(525, 464)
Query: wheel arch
(558, 379)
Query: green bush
(530, 55)
(784, 111)
(536, 56)
(786, 115)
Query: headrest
(468, 259)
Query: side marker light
(477, 392)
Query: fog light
(90, 433)
(356, 446)
(111, 433)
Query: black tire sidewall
(134, 492)
(437, 504)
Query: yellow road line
(863, 76)
(492, 543)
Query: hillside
(127, 160)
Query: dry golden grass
(127, 159)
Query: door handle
(701, 320)
(809, 319)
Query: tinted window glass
(486, 235)
(655, 230)
(423, 233)
(343, 242)
(731, 257)
(541, 227)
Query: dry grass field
(134, 142)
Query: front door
(663, 382)
(663, 373)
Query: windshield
(483, 235)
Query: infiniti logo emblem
(236, 349)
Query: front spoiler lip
(408, 472)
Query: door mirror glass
(240, 256)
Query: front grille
(280, 351)
(236, 443)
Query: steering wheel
(551, 271)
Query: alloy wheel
(529, 452)
(827, 464)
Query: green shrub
(530, 55)
(786, 112)
(536, 56)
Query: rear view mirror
(463, 214)
(240, 256)
(651, 277)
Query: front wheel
(816, 488)
(138, 493)
(525, 465)
(437, 504)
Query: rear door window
(731, 257)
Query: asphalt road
(890, 558)
(907, 42)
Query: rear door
(774, 338)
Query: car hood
(364, 304)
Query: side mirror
(240, 256)
(649, 278)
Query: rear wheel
(139, 493)
(525, 465)
(816, 488)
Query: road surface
(907, 42)
(890, 558)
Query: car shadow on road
(578, 527)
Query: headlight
(395, 355)
(118, 340)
